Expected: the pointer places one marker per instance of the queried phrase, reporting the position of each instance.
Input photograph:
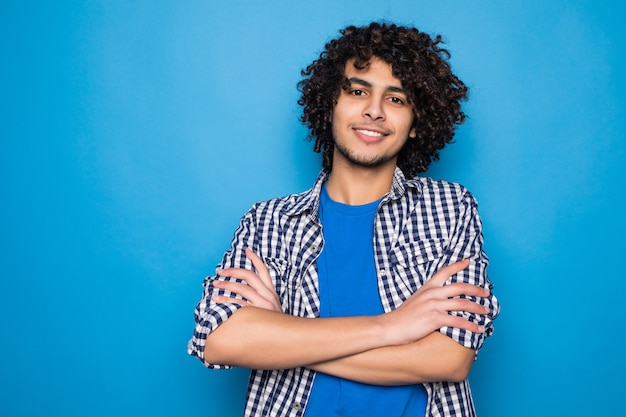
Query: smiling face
(372, 118)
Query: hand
(257, 290)
(427, 310)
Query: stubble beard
(374, 161)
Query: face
(372, 118)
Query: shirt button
(382, 272)
(296, 406)
(313, 248)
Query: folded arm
(263, 339)
(260, 336)
(436, 357)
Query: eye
(356, 92)
(396, 100)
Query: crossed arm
(399, 347)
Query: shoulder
(284, 203)
(289, 205)
(432, 189)
(293, 204)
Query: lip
(370, 134)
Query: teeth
(369, 132)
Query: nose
(374, 109)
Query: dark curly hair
(416, 59)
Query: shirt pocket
(282, 278)
(413, 262)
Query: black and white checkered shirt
(421, 225)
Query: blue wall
(135, 134)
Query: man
(366, 295)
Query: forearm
(267, 339)
(262, 339)
(433, 358)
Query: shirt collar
(310, 200)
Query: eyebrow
(364, 83)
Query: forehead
(375, 70)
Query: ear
(412, 133)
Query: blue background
(134, 134)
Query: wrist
(386, 330)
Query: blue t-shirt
(348, 287)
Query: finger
(441, 306)
(240, 289)
(457, 289)
(461, 323)
(441, 276)
(265, 296)
(222, 299)
(254, 279)
(244, 274)
(260, 267)
(267, 300)
(264, 284)
(464, 305)
(235, 272)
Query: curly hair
(416, 59)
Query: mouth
(369, 134)
(372, 133)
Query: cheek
(339, 116)
(340, 109)
(407, 122)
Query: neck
(359, 185)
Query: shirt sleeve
(466, 242)
(209, 314)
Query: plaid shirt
(421, 225)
